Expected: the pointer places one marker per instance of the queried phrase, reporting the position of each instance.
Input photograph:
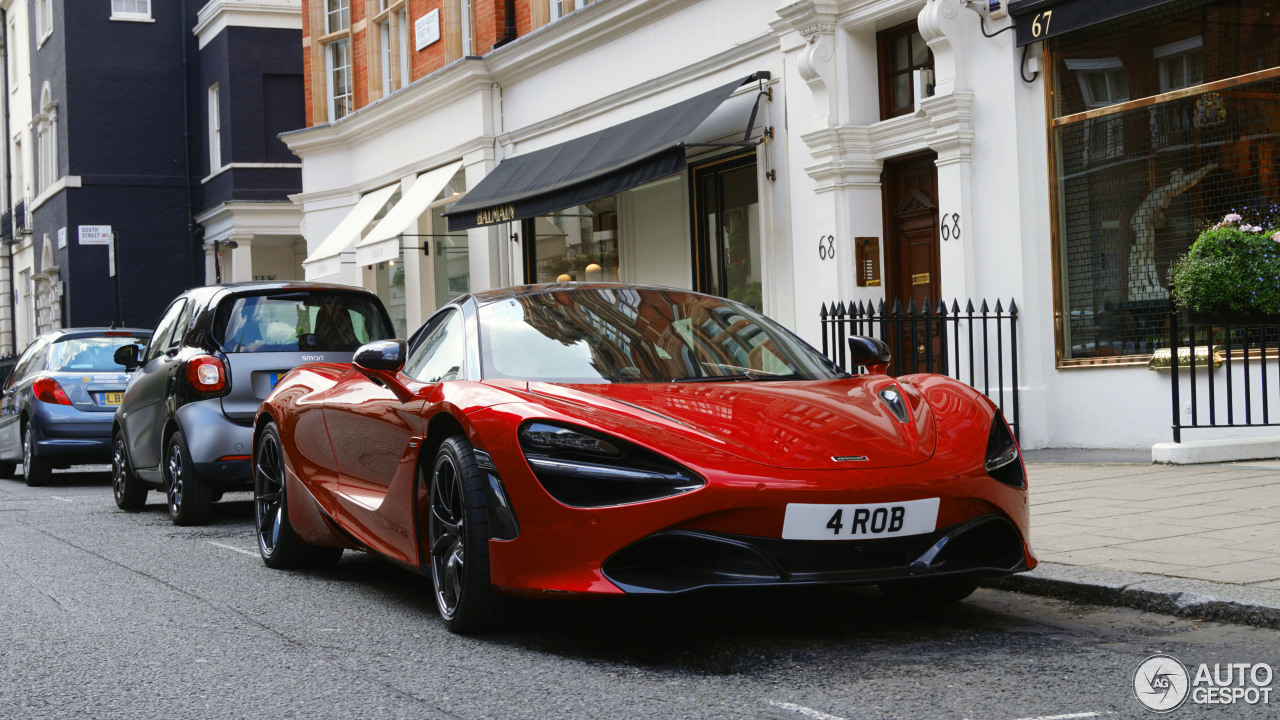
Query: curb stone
(1201, 599)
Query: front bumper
(675, 561)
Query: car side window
(161, 338)
(26, 362)
(440, 352)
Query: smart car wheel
(36, 470)
(130, 494)
(189, 498)
(929, 591)
(278, 545)
(457, 534)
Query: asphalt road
(107, 614)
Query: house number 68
(826, 247)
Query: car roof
(486, 297)
(66, 333)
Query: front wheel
(458, 541)
(36, 470)
(278, 545)
(190, 500)
(130, 494)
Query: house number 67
(826, 247)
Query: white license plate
(805, 521)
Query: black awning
(1042, 19)
(590, 167)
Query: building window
(404, 48)
(902, 51)
(130, 9)
(577, 244)
(1138, 171)
(44, 20)
(337, 15)
(386, 55)
(215, 130)
(560, 8)
(468, 27)
(46, 141)
(338, 60)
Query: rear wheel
(129, 492)
(278, 545)
(458, 542)
(36, 470)
(930, 591)
(190, 500)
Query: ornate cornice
(815, 20)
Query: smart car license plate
(805, 521)
(111, 398)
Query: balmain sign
(497, 214)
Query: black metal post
(1173, 373)
(115, 282)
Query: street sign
(95, 234)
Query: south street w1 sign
(95, 234)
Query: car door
(11, 399)
(371, 429)
(143, 411)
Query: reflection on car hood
(794, 424)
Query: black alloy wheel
(279, 546)
(36, 470)
(129, 492)
(190, 502)
(457, 533)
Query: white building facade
(868, 150)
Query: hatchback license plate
(805, 521)
(274, 378)
(112, 398)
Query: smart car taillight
(206, 374)
(49, 391)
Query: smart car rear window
(298, 321)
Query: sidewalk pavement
(1110, 527)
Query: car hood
(800, 425)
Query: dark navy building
(158, 118)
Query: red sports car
(604, 439)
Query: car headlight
(1003, 462)
(582, 469)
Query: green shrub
(1230, 267)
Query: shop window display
(1164, 121)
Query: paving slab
(1110, 527)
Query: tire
(457, 541)
(930, 591)
(129, 492)
(36, 470)
(8, 470)
(278, 545)
(188, 496)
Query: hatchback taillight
(48, 390)
(206, 374)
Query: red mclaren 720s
(608, 439)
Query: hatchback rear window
(88, 354)
(299, 321)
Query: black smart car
(185, 425)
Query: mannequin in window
(1144, 281)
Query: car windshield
(88, 354)
(593, 335)
(299, 321)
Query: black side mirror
(126, 355)
(381, 356)
(870, 353)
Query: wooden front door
(912, 272)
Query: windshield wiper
(747, 375)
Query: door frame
(699, 249)
(895, 287)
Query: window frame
(330, 86)
(886, 73)
(129, 16)
(215, 128)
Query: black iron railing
(6, 366)
(978, 346)
(1232, 368)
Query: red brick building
(359, 51)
